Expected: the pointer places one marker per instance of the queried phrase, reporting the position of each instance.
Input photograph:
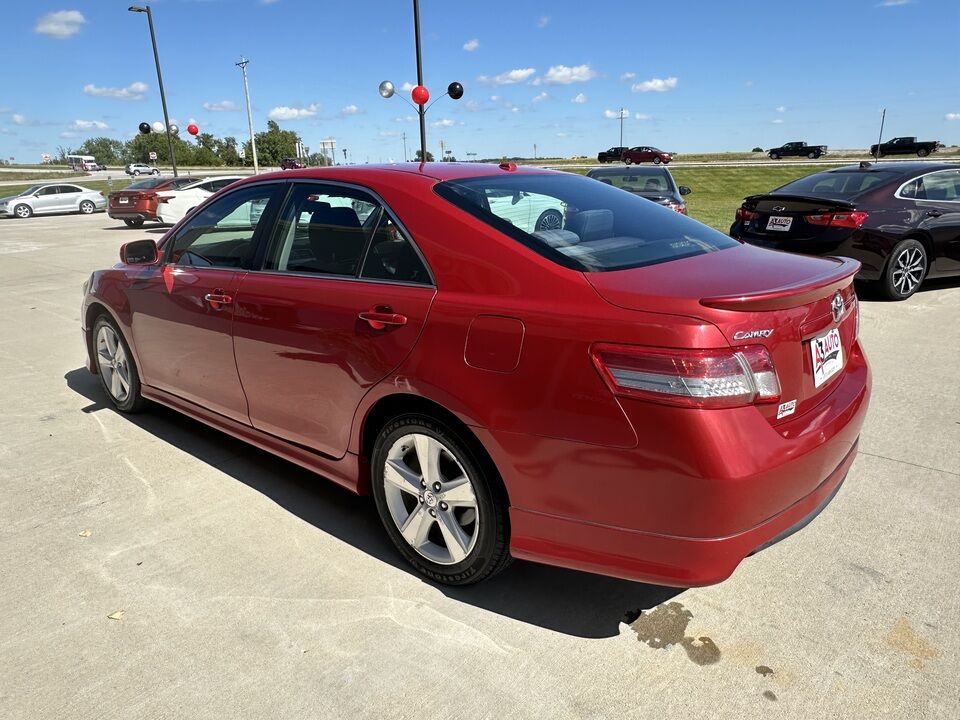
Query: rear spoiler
(793, 295)
(803, 198)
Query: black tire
(812, 155)
(628, 161)
(133, 222)
(87, 207)
(136, 172)
(922, 152)
(133, 402)
(490, 552)
(549, 220)
(906, 254)
(774, 156)
(22, 211)
(155, 171)
(657, 160)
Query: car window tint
(69, 189)
(838, 184)
(392, 256)
(941, 186)
(49, 190)
(178, 183)
(146, 184)
(222, 234)
(322, 230)
(601, 228)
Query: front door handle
(217, 299)
(934, 213)
(381, 317)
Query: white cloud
(89, 125)
(389, 133)
(67, 134)
(222, 106)
(350, 110)
(748, 83)
(543, 21)
(282, 112)
(494, 98)
(471, 45)
(61, 24)
(472, 106)
(405, 118)
(563, 75)
(655, 85)
(445, 123)
(18, 119)
(642, 116)
(952, 116)
(510, 77)
(579, 99)
(541, 97)
(893, 3)
(268, 2)
(407, 87)
(133, 91)
(778, 121)
(614, 114)
(515, 109)
(628, 76)
(561, 134)
(781, 109)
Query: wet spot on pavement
(903, 637)
(666, 625)
(764, 670)
(770, 695)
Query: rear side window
(936, 186)
(837, 184)
(600, 228)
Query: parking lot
(153, 567)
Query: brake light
(853, 220)
(720, 378)
(677, 207)
(745, 215)
(164, 198)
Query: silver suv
(141, 169)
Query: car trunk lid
(779, 217)
(754, 296)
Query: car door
(46, 200)
(68, 198)
(337, 305)
(940, 205)
(182, 311)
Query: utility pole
(246, 91)
(163, 97)
(534, 151)
(621, 127)
(404, 136)
(883, 117)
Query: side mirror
(139, 252)
(684, 190)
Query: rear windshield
(147, 183)
(644, 180)
(580, 223)
(838, 184)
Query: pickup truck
(905, 146)
(797, 149)
(611, 155)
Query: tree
(106, 150)
(418, 156)
(274, 145)
(226, 150)
(140, 147)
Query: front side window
(222, 234)
(601, 228)
(50, 190)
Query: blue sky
(697, 75)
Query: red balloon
(192, 129)
(420, 95)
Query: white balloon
(158, 126)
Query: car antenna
(883, 116)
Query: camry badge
(750, 334)
(778, 208)
(836, 306)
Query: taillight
(164, 198)
(854, 219)
(677, 207)
(720, 378)
(746, 215)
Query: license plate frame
(123, 200)
(826, 355)
(779, 223)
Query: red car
(633, 394)
(137, 203)
(646, 154)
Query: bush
(757, 149)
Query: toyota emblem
(836, 306)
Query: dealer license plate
(123, 200)
(780, 223)
(826, 351)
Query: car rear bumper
(661, 559)
(123, 214)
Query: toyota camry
(626, 392)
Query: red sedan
(646, 154)
(137, 203)
(631, 394)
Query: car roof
(903, 169)
(435, 171)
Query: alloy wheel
(908, 270)
(112, 363)
(550, 220)
(22, 211)
(431, 499)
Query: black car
(653, 183)
(901, 221)
(611, 155)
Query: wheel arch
(95, 309)
(390, 406)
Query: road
(245, 587)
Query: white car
(173, 205)
(528, 211)
(141, 169)
(53, 198)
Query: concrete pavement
(250, 588)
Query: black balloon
(145, 128)
(455, 90)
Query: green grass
(42, 176)
(118, 184)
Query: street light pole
(163, 97)
(420, 109)
(621, 127)
(246, 93)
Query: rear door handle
(217, 299)
(381, 318)
(934, 213)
